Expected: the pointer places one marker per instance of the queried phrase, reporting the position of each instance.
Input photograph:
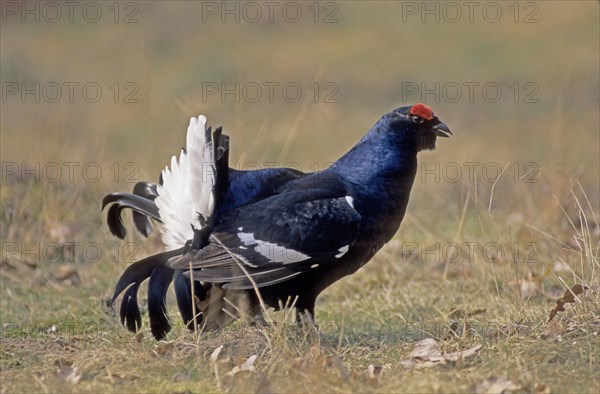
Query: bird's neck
(380, 178)
(378, 167)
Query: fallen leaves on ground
(247, 365)
(234, 366)
(138, 337)
(569, 298)
(163, 348)
(427, 353)
(215, 354)
(426, 349)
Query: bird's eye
(417, 119)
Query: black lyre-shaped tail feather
(142, 204)
(157, 297)
(183, 294)
(130, 282)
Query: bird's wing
(275, 239)
(186, 193)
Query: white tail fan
(187, 189)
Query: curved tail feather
(183, 293)
(130, 282)
(129, 312)
(120, 201)
(159, 282)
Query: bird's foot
(306, 320)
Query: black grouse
(237, 241)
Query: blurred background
(532, 69)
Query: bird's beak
(441, 130)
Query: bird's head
(414, 125)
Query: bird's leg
(305, 314)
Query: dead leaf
(426, 349)
(569, 298)
(138, 337)
(248, 365)
(215, 354)
(213, 360)
(427, 353)
(496, 385)
(163, 347)
(462, 354)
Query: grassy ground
(480, 259)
